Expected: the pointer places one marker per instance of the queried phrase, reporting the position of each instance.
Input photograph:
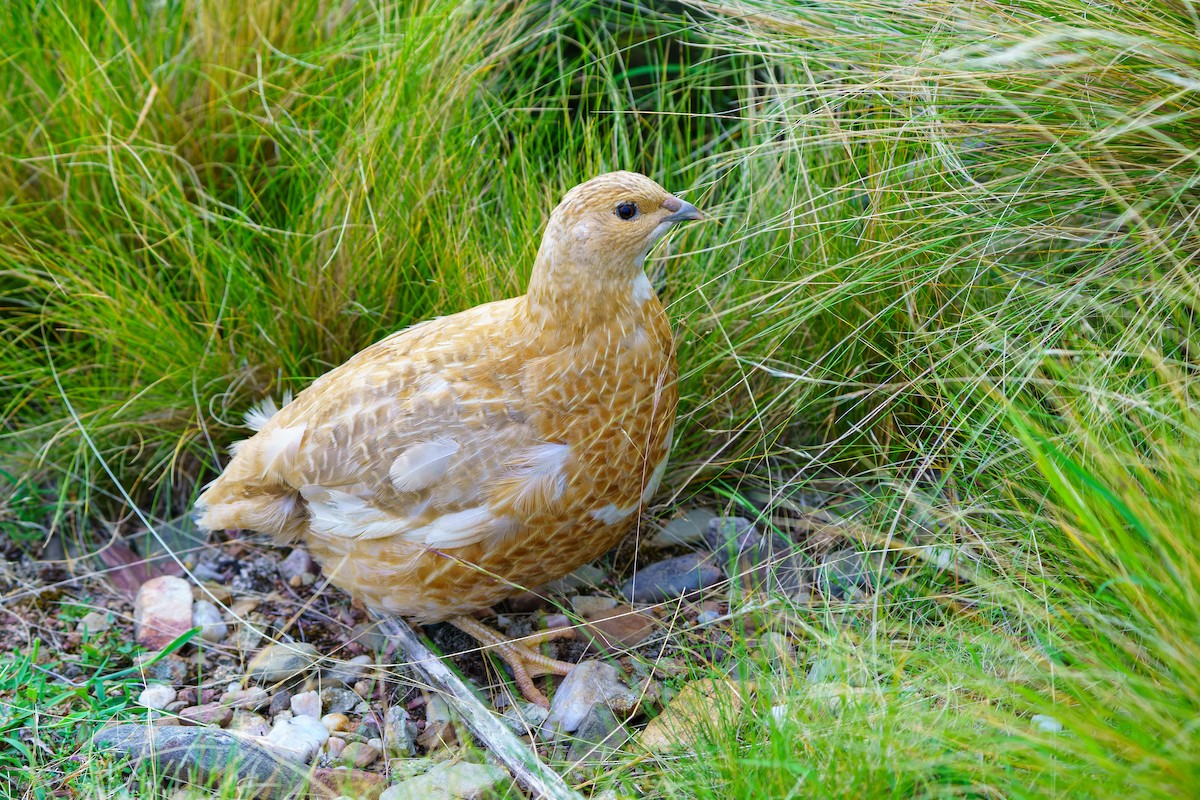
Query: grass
(953, 263)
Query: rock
(247, 635)
(620, 627)
(699, 706)
(439, 725)
(207, 714)
(299, 738)
(306, 704)
(844, 574)
(254, 576)
(525, 717)
(399, 732)
(207, 617)
(335, 747)
(162, 611)
(586, 576)
(206, 755)
(253, 698)
(279, 662)
(94, 622)
(598, 735)
(1046, 723)
(349, 672)
(339, 701)
(281, 701)
(765, 562)
(590, 682)
(686, 529)
(588, 605)
(448, 781)
(335, 723)
(212, 592)
(672, 578)
(360, 754)
(297, 568)
(249, 723)
(157, 696)
(368, 636)
(708, 617)
(557, 621)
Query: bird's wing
(426, 435)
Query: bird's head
(612, 221)
(596, 243)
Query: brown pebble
(620, 627)
(282, 701)
(207, 714)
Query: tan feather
(453, 462)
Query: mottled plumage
(459, 460)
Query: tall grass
(953, 261)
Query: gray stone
(686, 529)
(707, 617)
(157, 696)
(206, 755)
(672, 578)
(207, 617)
(162, 611)
(281, 701)
(252, 698)
(367, 634)
(598, 735)
(766, 561)
(349, 672)
(448, 781)
(255, 576)
(845, 574)
(339, 701)
(524, 717)
(399, 732)
(590, 682)
(585, 577)
(171, 669)
(298, 568)
(279, 662)
(298, 738)
(94, 622)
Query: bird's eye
(627, 210)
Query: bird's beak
(683, 210)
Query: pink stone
(162, 612)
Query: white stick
(519, 758)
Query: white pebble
(307, 704)
(299, 737)
(157, 696)
(1046, 723)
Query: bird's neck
(576, 300)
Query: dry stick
(520, 760)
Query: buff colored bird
(462, 459)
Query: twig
(520, 760)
